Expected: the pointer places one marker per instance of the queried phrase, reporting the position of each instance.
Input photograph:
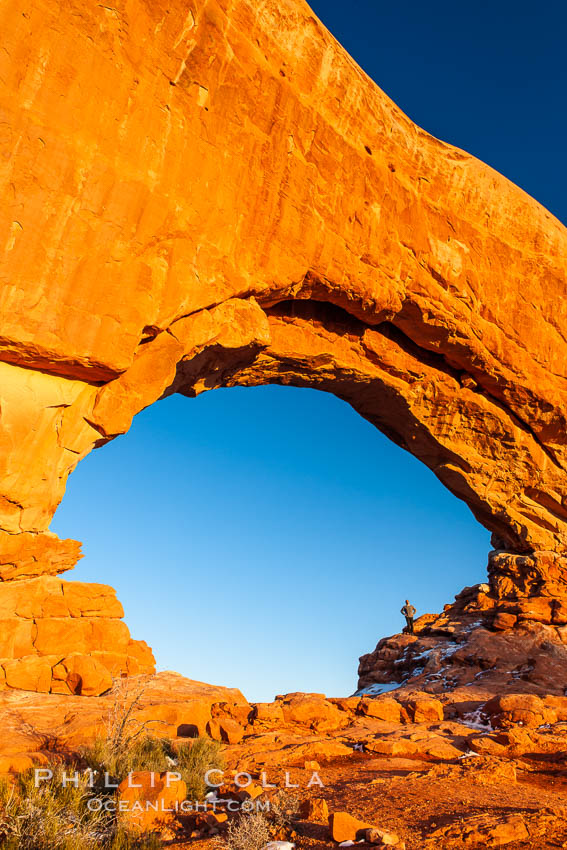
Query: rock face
(214, 194)
(193, 199)
(468, 770)
(509, 634)
(65, 638)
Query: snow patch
(378, 688)
(280, 845)
(477, 720)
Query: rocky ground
(457, 736)
(463, 768)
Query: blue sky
(264, 538)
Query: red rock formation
(509, 634)
(215, 194)
(65, 637)
(151, 194)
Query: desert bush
(284, 809)
(144, 753)
(194, 760)
(252, 831)
(53, 815)
(127, 746)
(191, 760)
(50, 816)
(249, 832)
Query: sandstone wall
(201, 194)
(166, 165)
(65, 637)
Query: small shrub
(50, 816)
(127, 746)
(250, 832)
(284, 809)
(56, 816)
(144, 753)
(193, 762)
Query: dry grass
(50, 816)
(55, 815)
(250, 832)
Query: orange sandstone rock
(147, 800)
(351, 252)
(357, 254)
(86, 675)
(383, 709)
(226, 730)
(313, 712)
(30, 673)
(25, 555)
(67, 635)
(16, 637)
(344, 827)
(315, 809)
(423, 710)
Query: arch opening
(264, 538)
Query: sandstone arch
(235, 202)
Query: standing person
(409, 613)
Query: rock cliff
(202, 194)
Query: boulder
(238, 711)
(314, 712)
(345, 827)
(84, 675)
(139, 652)
(503, 621)
(423, 710)
(386, 709)
(314, 809)
(380, 836)
(30, 673)
(270, 713)
(481, 831)
(226, 730)
(508, 710)
(145, 798)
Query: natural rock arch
(236, 202)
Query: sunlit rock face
(203, 194)
(508, 635)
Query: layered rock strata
(65, 637)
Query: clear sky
(265, 538)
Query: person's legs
(409, 621)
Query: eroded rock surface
(468, 769)
(65, 638)
(509, 634)
(216, 194)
